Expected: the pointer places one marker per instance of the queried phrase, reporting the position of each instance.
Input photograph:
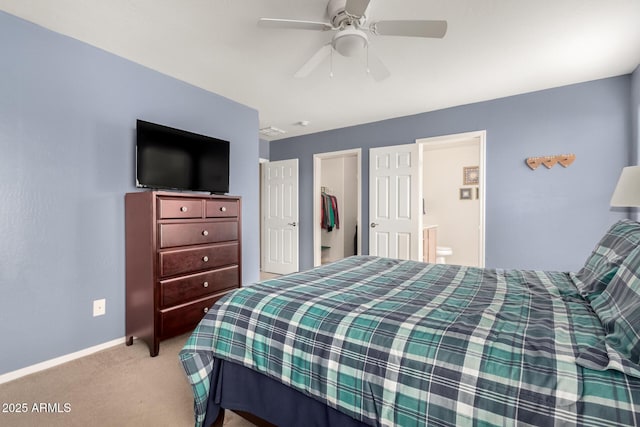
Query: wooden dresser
(183, 252)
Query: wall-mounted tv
(168, 158)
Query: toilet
(441, 253)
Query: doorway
(337, 177)
(453, 195)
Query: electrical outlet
(99, 307)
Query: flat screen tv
(168, 158)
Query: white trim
(14, 375)
(317, 175)
(458, 138)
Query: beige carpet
(120, 386)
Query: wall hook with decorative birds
(549, 161)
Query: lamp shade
(627, 192)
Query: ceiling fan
(347, 18)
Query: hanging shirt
(329, 215)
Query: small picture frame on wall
(471, 175)
(465, 194)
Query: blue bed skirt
(235, 387)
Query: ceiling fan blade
(356, 7)
(376, 68)
(294, 24)
(314, 61)
(434, 29)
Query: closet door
(280, 216)
(395, 190)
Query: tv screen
(168, 158)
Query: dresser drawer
(179, 208)
(184, 318)
(182, 261)
(187, 288)
(222, 208)
(197, 233)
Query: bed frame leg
(254, 419)
(220, 420)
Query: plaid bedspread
(402, 343)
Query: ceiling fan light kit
(350, 42)
(347, 18)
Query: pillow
(618, 308)
(606, 257)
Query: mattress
(403, 343)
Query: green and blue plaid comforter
(403, 343)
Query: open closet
(336, 206)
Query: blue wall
(67, 140)
(264, 149)
(635, 116)
(543, 219)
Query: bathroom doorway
(336, 178)
(453, 196)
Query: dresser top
(193, 195)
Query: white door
(280, 216)
(395, 217)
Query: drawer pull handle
(205, 284)
(223, 208)
(205, 258)
(206, 310)
(183, 208)
(205, 233)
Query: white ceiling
(492, 49)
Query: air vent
(271, 131)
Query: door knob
(373, 225)
(293, 224)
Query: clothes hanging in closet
(330, 217)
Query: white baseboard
(14, 375)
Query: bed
(385, 342)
